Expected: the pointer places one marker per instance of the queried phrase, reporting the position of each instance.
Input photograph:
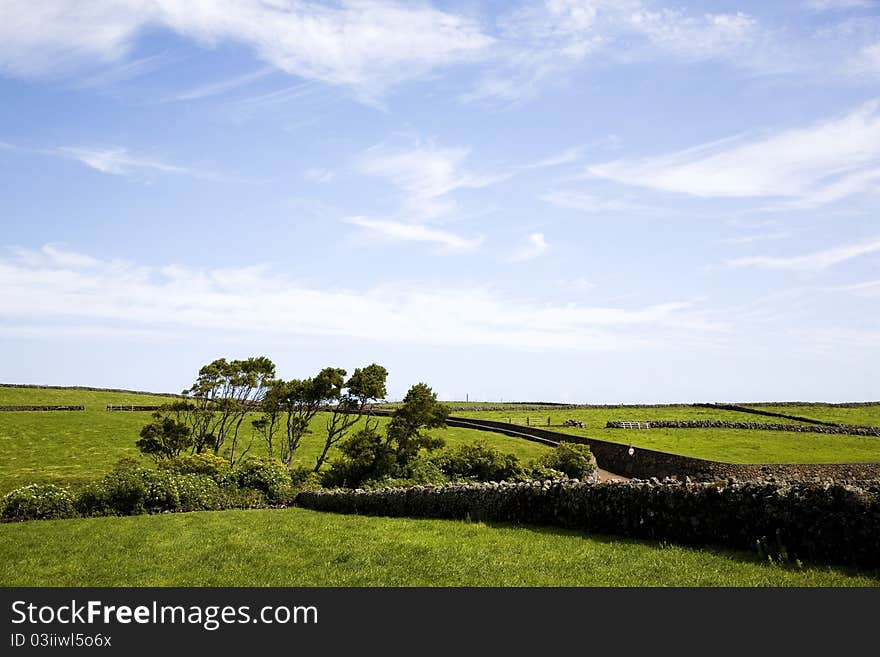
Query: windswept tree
(219, 401)
(368, 455)
(164, 437)
(301, 401)
(365, 387)
(406, 430)
(273, 410)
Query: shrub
(425, 471)
(125, 492)
(162, 493)
(198, 492)
(132, 491)
(268, 476)
(210, 465)
(37, 502)
(575, 461)
(303, 478)
(366, 455)
(93, 500)
(479, 461)
(544, 473)
(164, 437)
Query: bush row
(194, 483)
(854, 430)
(824, 522)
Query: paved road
(604, 475)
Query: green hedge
(825, 522)
(187, 485)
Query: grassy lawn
(729, 445)
(70, 447)
(298, 547)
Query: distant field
(93, 400)
(864, 415)
(729, 445)
(77, 446)
(298, 547)
(72, 447)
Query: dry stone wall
(824, 522)
(42, 408)
(848, 429)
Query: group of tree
(227, 396)
(213, 412)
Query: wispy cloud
(113, 297)
(540, 42)
(865, 289)
(319, 175)
(367, 46)
(534, 247)
(54, 255)
(838, 5)
(822, 163)
(812, 262)
(427, 175)
(751, 239)
(220, 87)
(119, 161)
(591, 203)
(394, 231)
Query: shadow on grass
(733, 554)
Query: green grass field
(73, 447)
(70, 447)
(729, 445)
(864, 415)
(298, 547)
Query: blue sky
(570, 200)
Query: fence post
(527, 421)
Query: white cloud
(818, 164)
(568, 156)
(591, 203)
(404, 232)
(707, 36)
(319, 175)
(118, 161)
(535, 246)
(868, 60)
(751, 239)
(38, 294)
(812, 262)
(220, 87)
(838, 5)
(866, 289)
(55, 255)
(426, 174)
(365, 45)
(543, 41)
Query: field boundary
(636, 462)
(31, 407)
(91, 389)
(821, 522)
(839, 429)
(755, 411)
